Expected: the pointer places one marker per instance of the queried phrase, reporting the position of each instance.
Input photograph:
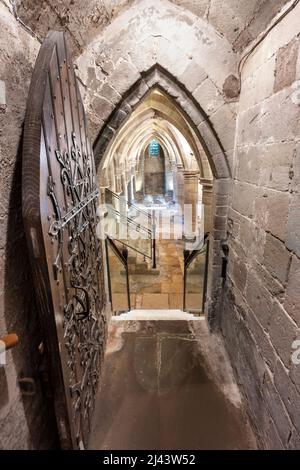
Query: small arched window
(154, 148)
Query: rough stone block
(170, 57)
(276, 258)
(191, 109)
(285, 72)
(276, 409)
(276, 162)
(234, 220)
(219, 168)
(268, 205)
(249, 164)
(273, 127)
(124, 77)
(268, 166)
(118, 119)
(283, 331)
(143, 62)
(138, 94)
(192, 76)
(288, 393)
(102, 107)
(262, 340)
(258, 86)
(242, 41)
(294, 442)
(292, 297)
(259, 300)
(224, 123)
(293, 224)
(243, 198)
(252, 239)
(295, 369)
(273, 285)
(249, 131)
(232, 87)
(109, 93)
(208, 96)
(295, 171)
(238, 272)
(271, 438)
(285, 31)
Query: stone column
(174, 174)
(119, 187)
(207, 197)
(180, 185)
(191, 179)
(169, 184)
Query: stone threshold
(158, 315)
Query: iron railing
(122, 256)
(144, 232)
(191, 258)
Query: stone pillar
(131, 192)
(180, 185)
(134, 186)
(174, 174)
(207, 199)
(191, 228)
(119, 188)
(169, 184)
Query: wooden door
(60, 198)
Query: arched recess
(139, 123)
(191, 110)
(211, 143)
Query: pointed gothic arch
(211, 142)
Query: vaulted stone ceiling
(240, 21)
(156, 116)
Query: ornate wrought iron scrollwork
(78, 265)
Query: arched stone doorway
(202, 129)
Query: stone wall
(154, 173)
(24, 420)
(262, 294)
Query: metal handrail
(139, 227)
(130, 204)
(189, 256)
(124, 260)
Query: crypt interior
(150, 224)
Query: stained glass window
(154, 148)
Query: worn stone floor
(157, 289)
(167, 384)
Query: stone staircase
(138, 265)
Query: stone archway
(157, 77)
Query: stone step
(145, 269)
(157, 315)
